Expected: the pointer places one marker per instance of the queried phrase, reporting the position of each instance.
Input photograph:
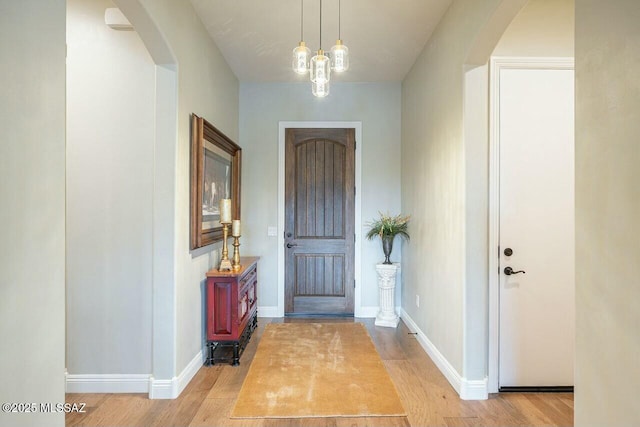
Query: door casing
(496, 65)
(358, 309)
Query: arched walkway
(163, 382)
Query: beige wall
(476, 160)
(208, 88)
(445, 165)
(607, 212)
(263, 106)
(115, 86)
(110, 135)
(542, 28)
(32, 226)
(433, 185)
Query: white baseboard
(466, 389)
(135, 383)
(163, 389)
(171, 389)
(190, 371)
(269, 311)
(474, 389)
(107, 383)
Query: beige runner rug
(316, 370)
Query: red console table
(231, 310)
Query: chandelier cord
(301, 20)
(320, 24)
(339, 18)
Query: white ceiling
(384, 37)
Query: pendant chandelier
(320, 65)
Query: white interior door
(536, 308)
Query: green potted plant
(388, 227)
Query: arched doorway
(144, 159)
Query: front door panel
(319, 221)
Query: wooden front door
(319, 221)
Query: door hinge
(354, 237)
(354, 283)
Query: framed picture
(215, 175)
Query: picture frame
(215, 174)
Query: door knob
(509, 271)
(290, 245)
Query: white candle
(235, 228)
(225, 211)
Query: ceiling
(257, 37)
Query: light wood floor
(426, 395)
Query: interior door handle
(509, 271)
(290, 245)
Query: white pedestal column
(387, 285)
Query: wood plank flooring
(426, 395)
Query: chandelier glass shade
(339, 57)
(320, 90)
(320, 68)
(301, 56)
